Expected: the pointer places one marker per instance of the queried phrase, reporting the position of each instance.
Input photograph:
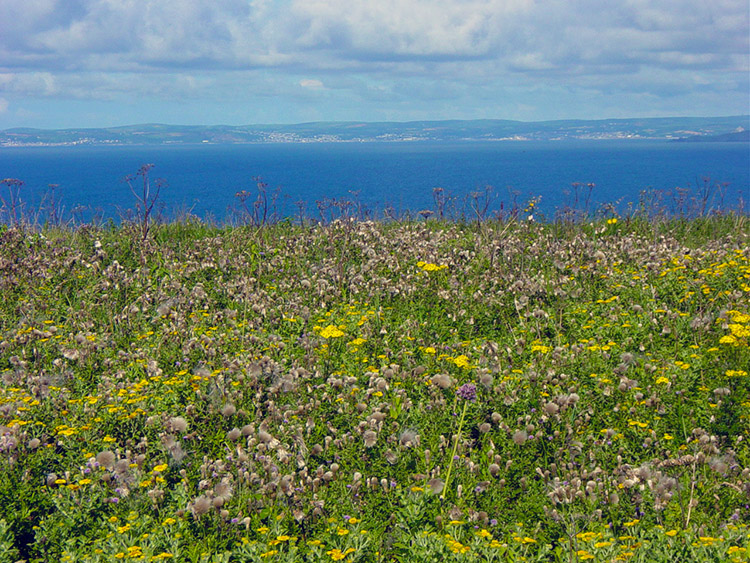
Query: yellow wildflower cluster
(331, 331)
(739, 329)
(429, 267)
(456, 546)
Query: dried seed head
(442, 380)
(408, 438)
(486, 380)
(519, 437)
(177, 453)
(436, 486)
(200, 506)
(106, 459)
(369, 438)
(177, 424)
(223, 490)
(122, 466)
(264, 436)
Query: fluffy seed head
(436, 486)
(178, 424)
(200, 506)
(442, 380)
(519, 437)
(106, 459)
(369, 438)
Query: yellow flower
(160, 468)
(331, 331)
(428, 267)
(671, 533)
(337, 555)
(739, 330)
(461, 361)
(583, 555)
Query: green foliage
(289, 393)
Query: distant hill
(665, 128)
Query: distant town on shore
(686, 129)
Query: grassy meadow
(410, 391)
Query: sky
(101, 63)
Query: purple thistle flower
(467, 392)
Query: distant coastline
(680, 129)
(733, 137)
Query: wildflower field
(409, 391)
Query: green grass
(289, 393)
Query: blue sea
(203, 179)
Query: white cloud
(311, 84)
(473, 50)
(211, 34)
